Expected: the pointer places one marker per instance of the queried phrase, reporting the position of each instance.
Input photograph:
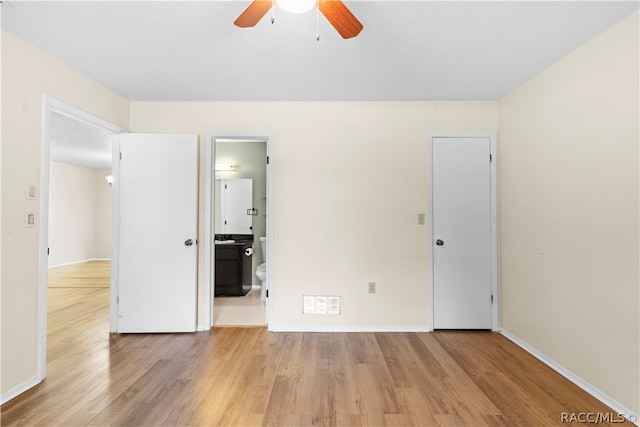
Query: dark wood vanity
(233, 269)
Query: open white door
(156, 243)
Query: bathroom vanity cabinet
(233, 270)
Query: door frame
(49, 105)
(495, 307)
(205, 322)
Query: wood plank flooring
(90, 274)
(249, 376)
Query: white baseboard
(78, 262)
(327, 328)
(19, 389)
(594, 391)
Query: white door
(236, 204)
(157, 231)
(461, 197)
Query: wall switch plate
(30, 220)
(372, 287)
(420, 219)
(31, 192)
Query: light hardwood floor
(90, 274)
(249, 376)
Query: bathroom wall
(251, 155)
(568, 158)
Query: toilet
(261, 270)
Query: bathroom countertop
(236, 243)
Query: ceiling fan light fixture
(296, 6)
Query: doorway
(463, 233)
(83, 155)
(239, 156)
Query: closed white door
(236, 206)
(157, 231)
(461, 197)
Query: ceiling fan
(335, 11)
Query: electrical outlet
(372, 287)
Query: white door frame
(209, 222)
(51, 104)
(495, 312)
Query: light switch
(31, 192)
(30, 220)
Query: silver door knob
(188, 242)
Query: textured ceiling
(78, 143)
(408, 50)
(191, 51)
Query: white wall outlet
(372, 287)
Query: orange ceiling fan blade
(253, 13)
(340, 17)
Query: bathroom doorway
(237, 158)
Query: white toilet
(261, 270)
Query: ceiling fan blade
(253, 13)
(340, 17)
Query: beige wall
(27, 73)
(102, 230)
(79, 214)
(568, 157)
(350, 180)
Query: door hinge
(121, 155)
(48, 251)
(267, 159)
(490, 158)
(491, 298)
(267, 293)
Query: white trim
(19, 389)
(65, 264)
(205, 322)
(209, 221)
(592, 390)
(115, 232)
(495, 312)
(50, 104)
(354, 328)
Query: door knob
(439, 242)
(188, 242)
